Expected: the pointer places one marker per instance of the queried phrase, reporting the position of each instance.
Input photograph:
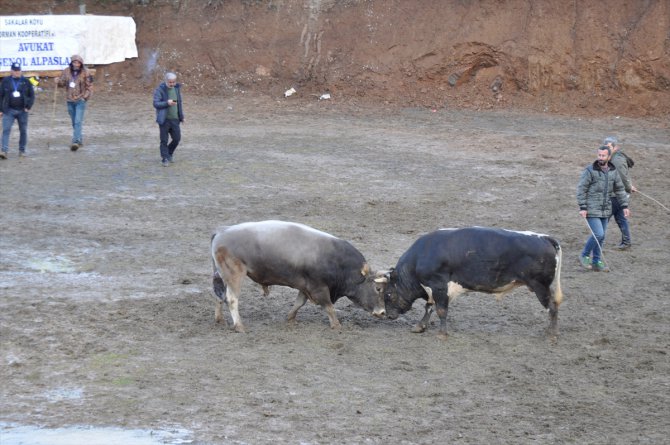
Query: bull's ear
(365, 270)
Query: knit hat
(611, 140)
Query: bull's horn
(384, 273)
(365, 270)
(383, 279)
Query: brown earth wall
(582, 57)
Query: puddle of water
(34, 279)
(81, 435)
(59, 394)
(39, 262)
(128, 196)
(55, 264)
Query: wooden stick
(602, 254)
(53, 113)
(649, 197)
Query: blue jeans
(169, 128)
(21, 117)
(621, 221)
(599, 227)
(76, 110)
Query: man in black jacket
(16, 99)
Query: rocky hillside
(566, 56)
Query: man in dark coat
(621, 162)
(169, 115)
(17, 97)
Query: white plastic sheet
(46, 42)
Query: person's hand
(172, 102)
(626, 213)
(582, 213)
(633, 189)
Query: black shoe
(623, 246)
(165, 162)
(74, 147)
(3, 155)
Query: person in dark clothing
(17, 97)
(169, 116)
(620, 161)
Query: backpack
(629, 160)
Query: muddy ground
(107, 318)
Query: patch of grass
(122, 381)
(109, 359)
(34, 377)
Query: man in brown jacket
(79, 86)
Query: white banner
(46, 42)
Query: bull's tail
(558, 293)
(217, 282)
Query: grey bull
(320, 266)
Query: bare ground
(107, 318)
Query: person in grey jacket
(620, 161)
(598, 182)
(169, 115)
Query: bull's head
(370, 294)
(393, 301)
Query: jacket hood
(78, 58)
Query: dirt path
(107, 317)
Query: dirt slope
(601, 58)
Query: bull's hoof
(419, 329)
(337, 326)
(442, 336)
(240, 328)
(552, 335)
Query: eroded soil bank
(591, 58)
